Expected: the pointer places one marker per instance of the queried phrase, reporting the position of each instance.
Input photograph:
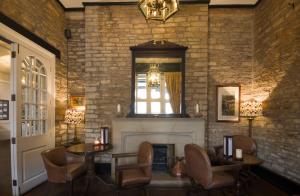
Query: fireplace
(163, 157)
(129, 133)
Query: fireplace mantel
(128, 133)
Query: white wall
(4, 94)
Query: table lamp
(251, 109)
(74, 117)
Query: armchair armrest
(233, 167)
(122, 155)
(116, 156)
(74, 158)
(131, 166)
(55, 173)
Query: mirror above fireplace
(158, 75)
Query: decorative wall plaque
(4, 109)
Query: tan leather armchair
(135, 175)
(63, 167)
(247, 144)
(205, 176)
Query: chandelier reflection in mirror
(158, 9)
(153, 76)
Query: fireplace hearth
(163, 158)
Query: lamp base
(250, 127)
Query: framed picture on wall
(228, 103)
(77, 101)
(4, 110)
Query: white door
(33, 115)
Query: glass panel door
(34, 93)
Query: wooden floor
(258, 188)
(5, 177)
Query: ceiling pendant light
(158, 9)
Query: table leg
(90, 163)
(238, 184)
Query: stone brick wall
(76, 61)
(225, 45)
(230, 62)
(111, 30)
(46, 19)
(277, 82)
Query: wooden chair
(135, 175)
(205, 177)
(63, 167)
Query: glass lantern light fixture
(158, 9)
(153, 76)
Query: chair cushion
(74, 170)
(134, 177)
(222, 179)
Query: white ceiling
(78, 3)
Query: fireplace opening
(163, 159)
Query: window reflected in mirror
(157, 86)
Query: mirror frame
(158, 49)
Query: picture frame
(4, 109)
(228, 103)
(77, 101)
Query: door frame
(18, 39)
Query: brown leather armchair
(135, 175)
(63, 167)
(247, 144)
(203, 175)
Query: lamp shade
(251, 108)
(73, 116)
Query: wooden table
(251, 160)
(245, 174)
(89, 150)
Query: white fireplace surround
(128, 133)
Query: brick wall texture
(46, 19)
(230, 62)
(277, 82)
(76, 62)
(111, 30)
(256, 48)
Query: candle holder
(119, 111)
(197, 111)
(96, 142)
(238, 155)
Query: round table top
(88, 148)
(251, 160)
